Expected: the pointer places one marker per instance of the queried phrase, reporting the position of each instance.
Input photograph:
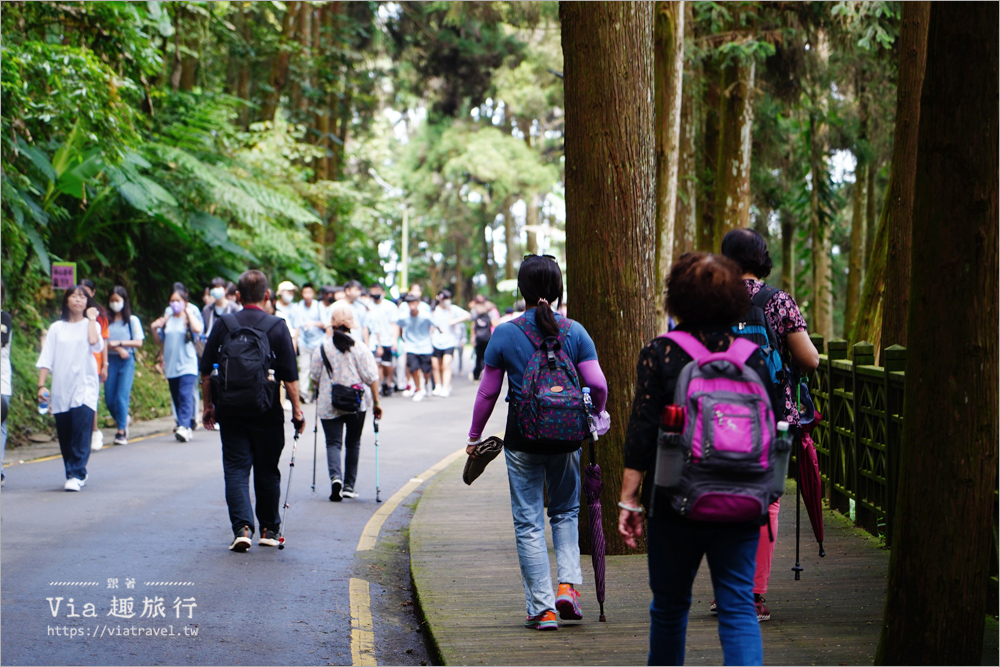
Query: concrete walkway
(465, 570)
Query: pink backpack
(720, 466)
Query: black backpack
(245, 379)
(481, 328)
(755, 328)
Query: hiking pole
(315, 434)
(797, 569)
(375, 424)
(288, 490)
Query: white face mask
(218, 292)
(117, 306)
(286, 297)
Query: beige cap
(286, 285)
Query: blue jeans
(528, 474)
(182, 393)
(74, 429)
(118, 388)
(675, 548)
(335, 441)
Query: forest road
(135, 568)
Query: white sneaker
(96, 441)
(446, 391)
(73, 484)
(437, 391)
(419, 396)
(183, 434)
(408, 393)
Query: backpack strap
(528, 330)
(761, 298)
(688, 343)
(737, 354)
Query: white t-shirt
(69, 356)
(445, 337)
(5, 388)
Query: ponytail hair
(540, 282)
(342, 339)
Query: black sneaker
(335, 492)
(349, 492)
(268, 538)
(242, 540)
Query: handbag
(342, 397)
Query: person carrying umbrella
(749, 250)
(534, 464)
(704, 295)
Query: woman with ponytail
(341, 362)
(534, 465)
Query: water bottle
(783, 450)
(215, 370)
(43, 405)
(671, 455)
(588, 406)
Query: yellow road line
(57, 456)
(362, 631)
(370, 534)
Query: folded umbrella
(480, 457)
(592, 489)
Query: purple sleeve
(486, 398)
(592, 376)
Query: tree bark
(912, 59)
(943, 530)
(732, 180)
(610, 170)
(822, 297)
(868, 322)
(533, 200)
(509, 233)
(668, 72)
(686, 221)
(872, 214)
(787, 253)
(279, 66)
(708, 156)
(855, 262)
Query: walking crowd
(705, 447)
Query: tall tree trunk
(668, 73)
(279, 66)
(943, 531)
(868, 322)
(509, 234)
(787, 252)
(871, 225)
(912, 58)
(298, 102)
(610, 169)
(732, 180)
(855, 262)
(243, 78)
(708, 155)
(822, 297)
(533, 200)
(485, 223)
(686, 221)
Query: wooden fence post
(840, 468)
(864, 355)
(894, 360)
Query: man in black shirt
(252, 439)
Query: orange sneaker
(567, 602)
(544, 621)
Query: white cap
(286, 285)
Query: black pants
(480, 359)
(255, 445)
(351, 445)
(74, 428)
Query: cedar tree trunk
(279, 66)
(610, 169)
(732, 179)
(943, 531)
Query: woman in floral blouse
(748, 249)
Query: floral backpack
(551, 406)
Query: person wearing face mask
(124, 336)
(68, 356)
(219, 305)
(445, 316)
(382, 320)
(284, 307)
(176, 332)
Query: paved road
(154, 513)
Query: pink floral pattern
(784, 316)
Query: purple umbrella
(592, 489)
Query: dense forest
(151, 142)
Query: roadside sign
(63, 275)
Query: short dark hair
(310, 286)
(352, 283)
(230, 288)
(410, 298)
(217, 282)
(706, 289)
(748, 248)
(179, 288)
(252, 286)
(445, 294)
(376, 286)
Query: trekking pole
(377, 490)
(797, 569)
(315, 435)
(288, 490)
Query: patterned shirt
(356, 366)
(785, 318)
